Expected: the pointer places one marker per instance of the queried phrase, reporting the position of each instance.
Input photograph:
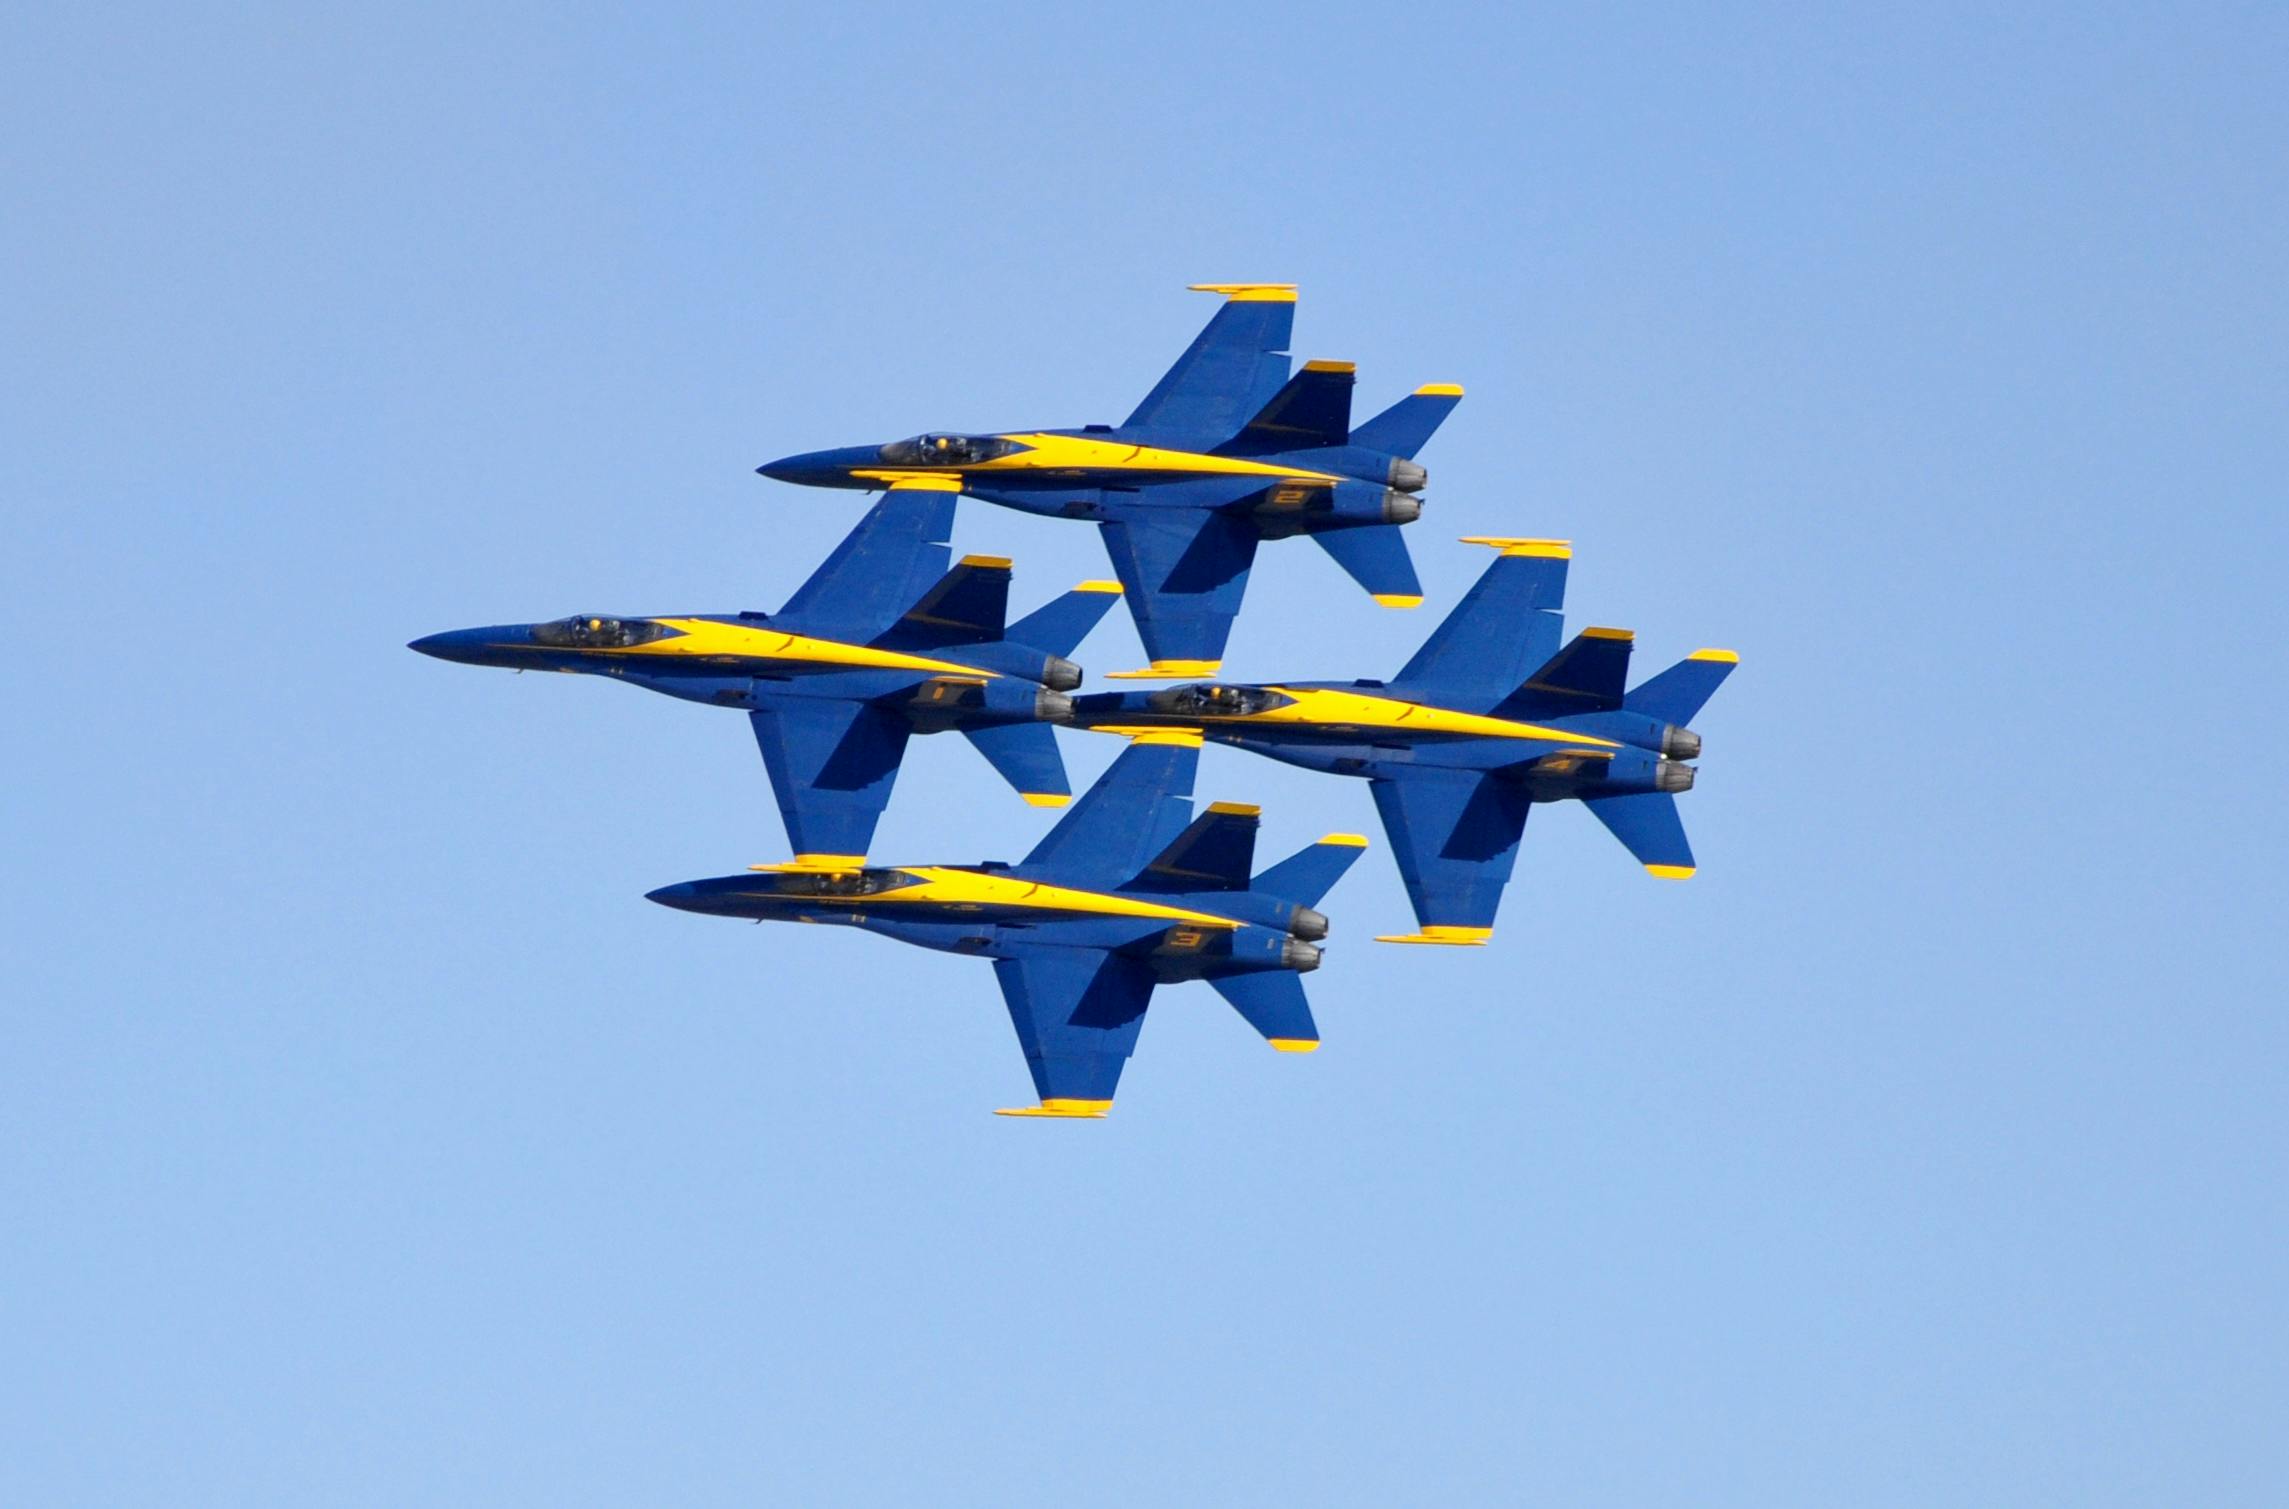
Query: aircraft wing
(884, 566)
(1231, 369)
(1183, 571)
(832, 764)
(1455, 834)
(1136, 810)
(1077, 1012)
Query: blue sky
(367, 1139)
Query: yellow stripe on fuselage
(702, 638)
(1323, 708)
(942, 887)
(1076, 453)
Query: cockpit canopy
(1209, 699)
(948, 450)
(843, 882)
(586, 632)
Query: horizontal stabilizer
(1308, 875)
(1274, 1004)
(1059, 625)
(884, 564)
(1026, 756)
(1312, 410)
(1506, 624)
(1407, 426)
(1678, 693)
(1649, 828)
(1214, 853)
(1587, 676)
(965, 606)
(1376, 556)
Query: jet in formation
(1128, 892)
(884, 641)
(1226, 451)
(1490, 717)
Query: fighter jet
(1128, 892)
(1490, 717)
(882, 642)
(1227, 450)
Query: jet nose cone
(455, 644)
(681, 896)
(785, 469)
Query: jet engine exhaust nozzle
(1407, 476)
(1052, 707)
(1669, 775)
(1399, 508)
(1060, 674)
(1680, 743)
(1308, 924)
(1299, 956)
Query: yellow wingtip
(1250, 293)
(1399, 599)
(1295, 1044)
(1168, 670)
(1439, 390)
(1047, 798)
(1098, 586)
(1671, 872)
(1071, 1110)
(1722, 657)
(1345, 840)
(1459, 937)
(1549, 550)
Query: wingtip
(1398, 599)
(1065, 1110)
(1047, 798)
(1671, 872)
(1249, 293)
(1439, 390)
(1453, 937)
(1721, 657)
(1294, 1044)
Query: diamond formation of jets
(1227, 450)
(890, 637)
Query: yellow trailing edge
(1439, 390)
(1295, 1044)
(1346, 840)
(1047, 798)
(1549, 550)
(1460, 937)
(1250, 293)
(1670, 872)
(1098, 586)
(985, 562)
(1331, 366)
(1399, 599)
(1071, 1109)
(1168, 670)
(1624, 634)
(1722, 657)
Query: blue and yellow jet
(1226, 451)
(1128, 892)
(1489, 717)
(882, 642)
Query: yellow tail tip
(1071, 1110)
(1670, 872)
